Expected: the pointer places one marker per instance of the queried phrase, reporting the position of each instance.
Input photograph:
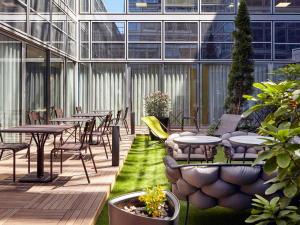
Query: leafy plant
(157, 104)
(240, 78)
(282, 152)
(154, 200)
(267, 212)
(290, 72)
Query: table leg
(39, 176)
(189, 155)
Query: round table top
(249, 140)
(198, 140)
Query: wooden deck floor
(68, 200)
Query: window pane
(284, 51)
(262, 50)
(84, 6)
(144, 51)
(216, 50)
(12, 6)
(115, 6)
(84, 31)
(183, 31)
(40, 5)
(144, 31)
(291, 6)
(144, 5)
(226, 6)
(181, 5)
(259, 6)
(217, 31)
(58, 38)
(181, 51)
(108, 51)
(84, 51)
(108, 31)
(40, 30)
(287, 32)
(261, 31)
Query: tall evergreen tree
(240, 78)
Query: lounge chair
(156, 127)
(227, 123)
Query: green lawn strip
(144, 168)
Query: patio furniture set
(213, 184)
(80, 131)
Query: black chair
(78, 109)
(77, 147)
(103, 130)
(15, 148)
(194, 118)
(124, 120)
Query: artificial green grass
(144, 168)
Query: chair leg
(28, 159)
(108, 142)
(51, 165)
(61, 161)
(92, 156)
(86, 174)
(182, 124)
(187, 211)
(14, 166)
(126, 126)
(196, 124)
(104, 147)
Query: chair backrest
(88, 132)
(34, 118)
(118, 117)
(105, 124)
(209, 185)
(155, 126)
(125, 113)
(78, 109)
(59, 113)
(227, 124)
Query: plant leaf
(283, 160)
(270, 165)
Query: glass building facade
(102, 54)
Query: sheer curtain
(214, 91)
(10, 83)
(83, 87)
(70, 91)
(144, 80)
(56, 84)
(179, 81)
(108, 86)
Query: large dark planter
(165, 121)
(117, 216)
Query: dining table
(40, 134)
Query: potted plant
(158, 104)
(151, 207)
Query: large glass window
(144, 40)
(216, 40)
(56, 81)
(10, 83)
(181, 40)
(290, 6)
(287, 37)
(109, 6)
(261, 34)
(259, 6)
(84, 86)
(108, 40)
(181, 6)
(84, 6)
(84, 40)
(144, 5)
(222, 6)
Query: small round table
(197, 140)
(249, 141)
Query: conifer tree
(240, 78)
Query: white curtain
(83, 87)
(70, 91)
(107, 86)
(56, 84)
(10, 83)
(144, 80)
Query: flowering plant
(157, 104)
